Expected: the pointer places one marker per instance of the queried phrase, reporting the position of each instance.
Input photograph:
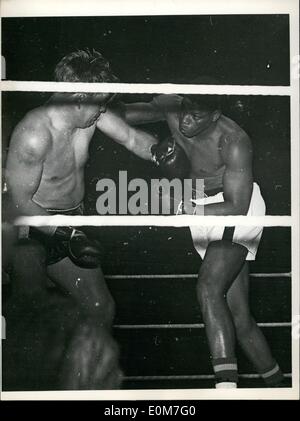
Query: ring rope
(193, 276)
(191, 325)
(194, 377)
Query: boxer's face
(92, 107)
(194, 120)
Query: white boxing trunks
(247, 236)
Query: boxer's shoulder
(236, 150)
(231, 130)
(35, 121)
(233, 139)
(31, 137)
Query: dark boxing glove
(171, 159)
(83, 251)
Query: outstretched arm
(135, 140)
(141, 113)
(237, 180)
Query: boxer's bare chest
(205, 157)
(206, 162)
(205, 154)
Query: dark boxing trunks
(55, 250)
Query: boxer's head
(198, 113)
(84, 66)
(91, 67)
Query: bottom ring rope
(194, 377)
(191, 325)
(193, 276)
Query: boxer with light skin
(45, 175)
(220, 153)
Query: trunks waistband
(76, 210)
(213, 192)
(207, 193)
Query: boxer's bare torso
(219, 151)
(63, 154)
(49, 149)
(214, 148)
(208, 152)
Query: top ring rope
(164, 88)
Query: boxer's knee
(102, 310)
(88, 289)
(101, 305)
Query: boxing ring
(152, 279)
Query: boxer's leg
(29, 274)
(221, 265)
(248, 333)
(86, 286)
(91, 356)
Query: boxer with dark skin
(45, 175)
(220, 153)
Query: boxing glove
(171, 159)
(83, 251)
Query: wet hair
(84, 66)
(207, 103)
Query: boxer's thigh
(222, 263)
(86, 286)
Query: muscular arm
(142, 113)
(237, 180)
(26, 155)
(136, 141)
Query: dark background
(265, 118)
(235, 49)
